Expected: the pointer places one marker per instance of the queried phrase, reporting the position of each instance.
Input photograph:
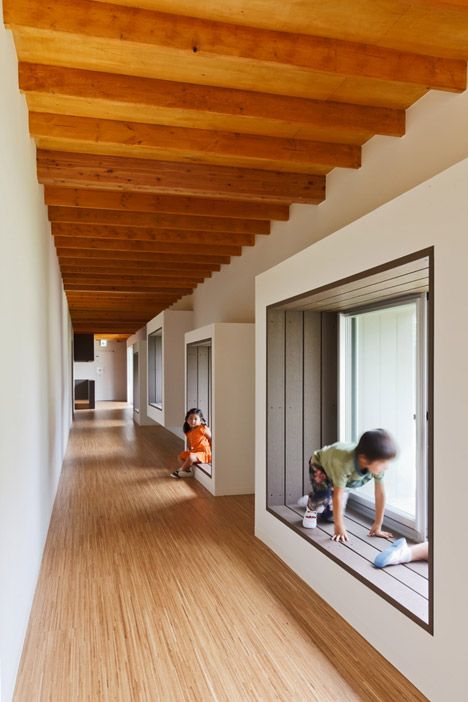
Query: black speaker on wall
(84, 347)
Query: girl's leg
(400, 552)
(420, 552)
(186, 464)
(185, 467)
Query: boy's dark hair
(194, 410)
(376, 445)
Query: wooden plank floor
(152, 590)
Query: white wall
(436, 138)
(139, 335)
(108, 370)
(433, 214)
(140, 387)
(232, 406)
(35, 363)
(174, 324)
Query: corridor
(153, 590)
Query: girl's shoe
(182, 473)
(309, 520)
(185, 473)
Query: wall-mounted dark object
(84, 347)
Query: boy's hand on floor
(340, 535)
(375, 530)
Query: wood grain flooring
(153, 590)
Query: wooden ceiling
(171, 132)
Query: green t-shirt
(341, 465)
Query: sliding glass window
(383, 383)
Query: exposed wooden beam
(428, 26)
(136, 256)
(437, 27)
(170, 236)
(81, 93)
(135, 298)
(138, 281)
(146, 308)
(124, 288)
(78, 215)
(121, 320)
(179, 144)
(146, 313)
(159, 45)
(83, 243)
(108, 314)
(125, 201)
(161, 177)
(132, 267)
(123, 271)
(97, 327)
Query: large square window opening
(352, 356)
(155, 369)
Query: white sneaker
(185, 473)
(309, 520)
(302, 501)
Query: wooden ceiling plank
(78, 215)
(179, 144)
(170, 236)
(144, 175)
(69, 242)
(127, 201)
(69, 91)
(202, 50)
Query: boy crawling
(334, 468)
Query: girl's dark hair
(194, 410)
(376, 445)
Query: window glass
(381, 377)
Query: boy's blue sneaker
(398, 552)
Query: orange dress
(198, 444)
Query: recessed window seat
(405, 586)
